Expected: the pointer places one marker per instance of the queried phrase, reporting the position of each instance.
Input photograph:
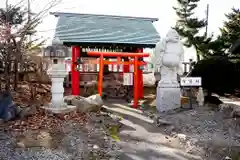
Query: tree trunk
(197, 53)
(7, 66)
(198, 57)
(16, 74)
(18, 59)
(7, 75)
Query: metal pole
(7, 12)
(190, 97)
(207, 15)
(29, 18)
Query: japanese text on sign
(191, 81)
(127, 79)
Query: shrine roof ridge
(56, 14)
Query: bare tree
(15, 27)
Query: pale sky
(161, 9)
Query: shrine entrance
(88, 71)
(134, 59)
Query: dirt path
(141, 139)
(188, 135)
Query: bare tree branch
(13, 37)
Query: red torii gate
(138, 78)
(118, 55)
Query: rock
(27, 112)
(8, 110)
(90, 104)
(213, 100)
(31, 139)
(95, 146)
(161, 122)
(95, 99)
(236, 111)
(230, 110)
(1, 121)
(227, 158)
(182, 137)
(68, 99)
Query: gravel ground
(199, 133)
(73, 142)
(207, 132)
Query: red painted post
(126, 67)
(74, 71)
(140, 78)
(118, 66)
(135, 83)
(100, 75)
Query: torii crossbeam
(118, 55)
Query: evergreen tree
(230, 33)
(12, 15)
(188, 27)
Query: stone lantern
(57, 74)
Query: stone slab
(60, 110)
(168, 99)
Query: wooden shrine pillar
(136, 83)
(126, 68)
(101, 74)
(140, 77)
(75, 73)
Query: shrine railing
(91, 65)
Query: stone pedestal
(168, 97)
(57, 74)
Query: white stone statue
(169, 55)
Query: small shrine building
(91, 32)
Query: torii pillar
(140, 77)
(75, 73)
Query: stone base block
(60, 110)
(168, 99)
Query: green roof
(105, 29)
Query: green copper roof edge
(146, 45)
(107, 42)
(102, 15)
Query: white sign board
(127, 79)
(191, 81)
